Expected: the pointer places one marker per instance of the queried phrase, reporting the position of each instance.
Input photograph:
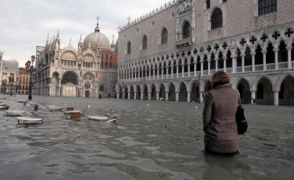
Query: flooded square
(151, 140)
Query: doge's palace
(171, 52)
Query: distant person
(219, 122)
(100, 96)
(253, 101)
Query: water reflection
(152, 140)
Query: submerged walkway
(152, 140)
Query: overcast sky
(26, 23)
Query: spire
(129, 20)
(47, 42)
(81, 42)
(58, 37)
(113, 39)
(97, 29)
(69, 41)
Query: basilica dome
(96, 39)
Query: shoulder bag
(240, 119)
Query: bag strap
(239, 99)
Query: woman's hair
(220, 78)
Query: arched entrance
(87, 94)
(183, 92)
(120, 92)
(244, 91)
(153, 92)
(54, 91)
(286, 94)
(161, 91)
(264, 93)
(87, 88)
(69, 84)
(138, 94)
(145, 94)
(131, 92)
(172, 92)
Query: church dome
(96, 39)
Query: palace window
(217, 19)
(144, 42)
(266, 6)
(129, 46)
(186, 30)
(224, 0)
(207, 4)
(164, 36)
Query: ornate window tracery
(186, 30)
(164, 36)
(217, 19)
(144, 42)
(266, 6)
(129, 47)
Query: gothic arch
(257, 81)
(281, 78)
(70, 76)
(68, 51)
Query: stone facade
(23, 81)
(71, 72)
(256, 50)
(9, 75)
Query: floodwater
(151, 140)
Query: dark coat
(219, 123)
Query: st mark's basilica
(89, 71)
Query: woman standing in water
(219, 122)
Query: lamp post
(29, 66)
(11, 84)
(201, 82)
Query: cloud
(25, 24)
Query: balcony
(184, 42)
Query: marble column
(195, 69)
(253, 95)
(166, 96)
(253, 60)
(208, 60)
(216, 64)
(243, 62)
(188, 96)
(172, 72)
(289, 48)
(189, 69)
(276, 98)
(264, 59)
(234, 64)
(276, 58)
(177, 96)
(177, 70)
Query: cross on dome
(97, 29)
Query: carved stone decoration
(184, 6)
(233, 44)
